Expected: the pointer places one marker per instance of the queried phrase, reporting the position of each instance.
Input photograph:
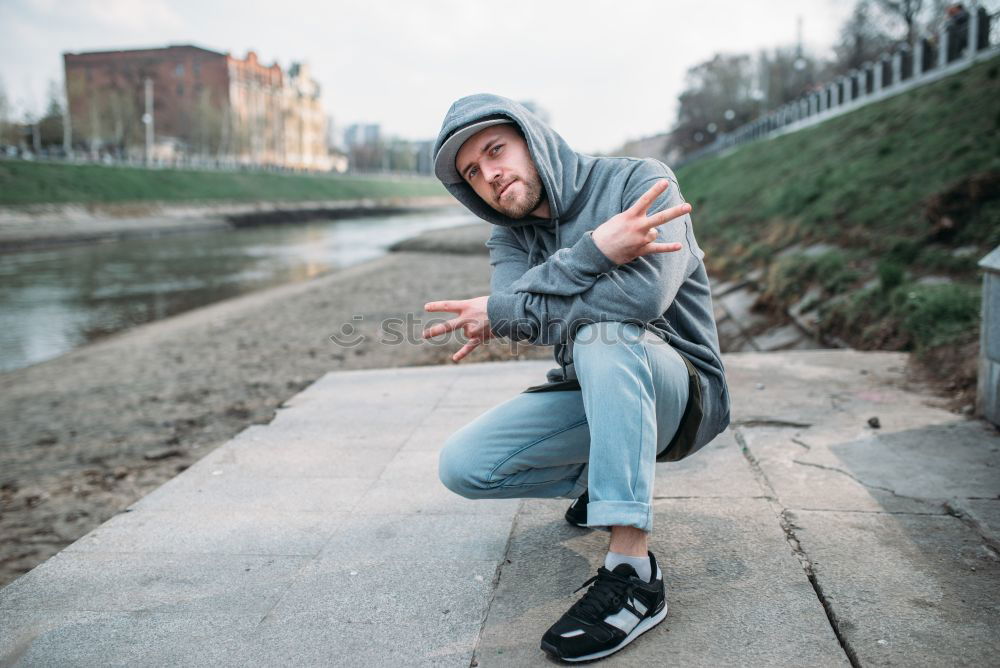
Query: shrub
(890, 274)
(934, 315)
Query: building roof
(151, 48)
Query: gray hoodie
(549, 277)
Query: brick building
(205, 104)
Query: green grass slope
(907, 191)
(45, 183)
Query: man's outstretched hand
(471, 317)
(632, 234)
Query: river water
(54, 300)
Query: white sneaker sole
(639, 629)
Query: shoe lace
(609, 589)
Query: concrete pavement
(802, 536)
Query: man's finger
(659, 248)
(442, 306)
(443, 327)
(647, 199)
(466, 349)
(667, 215)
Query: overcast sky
(605, 71)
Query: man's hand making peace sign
(623, 238)
(632, 233)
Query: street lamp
(147, 120)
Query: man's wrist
(500, 311)
(591, 257)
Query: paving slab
(910, 590)
(142, 582)
(807, 478)
(718, 470)
(783, 337)
(984, 515)
(201, 531)
(89, 638)
(896, 520)
(326, 539)
(738, 304)
(737, 594)
(912, 462)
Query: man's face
(498, 166)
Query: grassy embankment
(24, 183)
(906, 190)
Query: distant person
(596, 257)
(982, 28)
(958, 30)
(929, 52)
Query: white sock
(642, 566)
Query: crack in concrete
(788, 528)
(963, 516)
(474, 661)
(802, 443)
(708, 496)
(862, 482)
(870, 512)
(770, 422)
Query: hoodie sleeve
(639, 291)
(568, 271)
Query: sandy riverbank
(88, 433)
(41, 226)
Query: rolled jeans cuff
(620, 514)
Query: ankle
(629, 541)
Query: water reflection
(52, 301)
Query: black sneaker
(576, 514)
(617, 609)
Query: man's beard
(521, 207)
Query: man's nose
(493, 173)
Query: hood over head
(563, 171)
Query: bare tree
(936, 16)
(719, 95)
(51, 123)
(862, 39)
(906, 10)
(785, 74)
(206, 130)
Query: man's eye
(472, 172)
(496, 149)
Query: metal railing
(932, 58)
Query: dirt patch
(957, 385)
(946, 212)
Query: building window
(196, 68)
(179, 70)
(180, 90)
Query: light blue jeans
(603, 438)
